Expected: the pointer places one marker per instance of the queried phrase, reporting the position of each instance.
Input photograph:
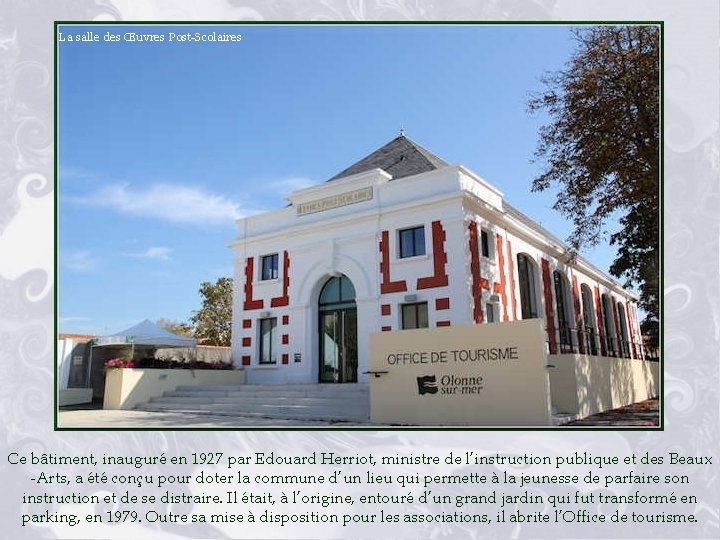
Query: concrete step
(348, 402)
(266, 411)
(305, 415)
(250, 400)
(315, 388)
(264, 395)
(274, 390)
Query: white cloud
(288, 185)
(81, 261)
(69, 320)
(168, 202)
(159, 253)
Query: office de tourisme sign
(475, 375)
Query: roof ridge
(400, 157)
(427, 154)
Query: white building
(401, 239)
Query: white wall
(583, 385)
(64, 361)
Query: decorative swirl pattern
(34, 345)
(26, 304)
(679, 395)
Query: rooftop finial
(402, 131)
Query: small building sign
(476, 375)
(335, 201)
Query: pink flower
(118, 363)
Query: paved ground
(643, 414)
(102, 419)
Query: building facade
(402, 239)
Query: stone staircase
(323, 402)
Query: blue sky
(163, 144)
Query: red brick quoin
(250, 303)
(387, 285)
(284, 300)
(549, 316)
(477, 285)
(439, 277)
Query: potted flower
(118, 363)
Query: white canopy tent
(146, 333)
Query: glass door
(338, 346)
(329, 347)
(349, 340)
(338, 331)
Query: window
(337, 293)
(624, 340)
(563, 314)
(269, 267)
(414, 316)
(589, 320)
(484, 243)
(609, 320)
(490, 310)
(268, 340)
(412, 242)
(528, 298)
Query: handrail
(375, 372)
(588, 341)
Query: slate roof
(400, 157)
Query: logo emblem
(427, 385)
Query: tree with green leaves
(212, 323)
(176, 327)
(602, 147)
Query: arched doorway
(338, 331)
